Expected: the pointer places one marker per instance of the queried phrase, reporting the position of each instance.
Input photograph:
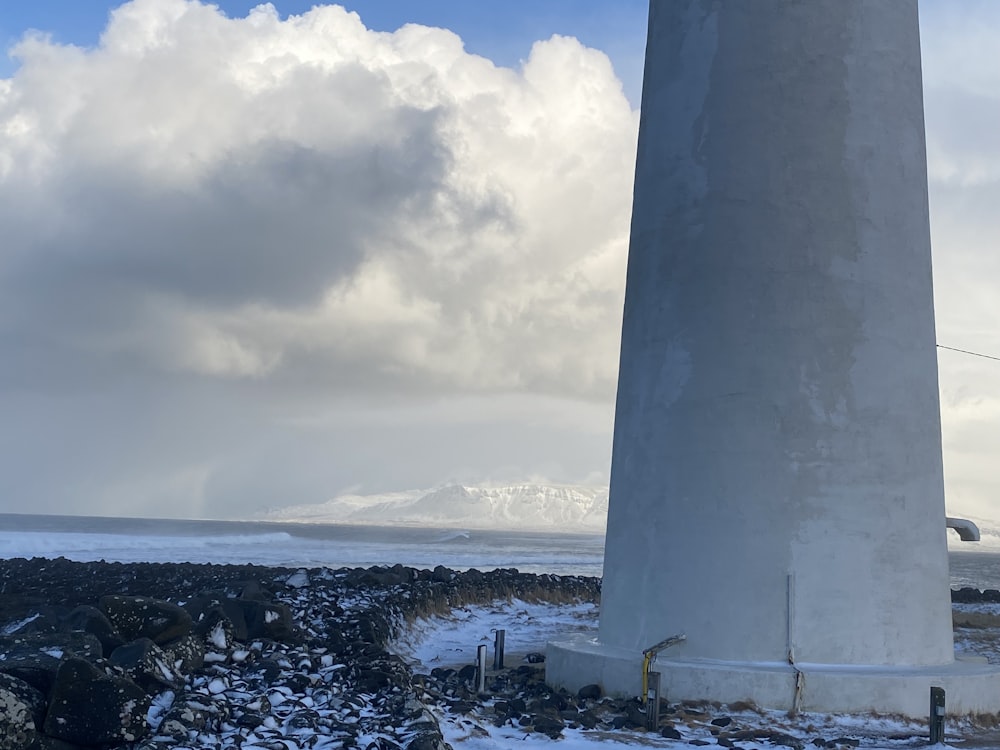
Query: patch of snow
(13, 627)
(986, 608)
(218, 636)
(298, 579)
(158, 707)
(168, 675)
(453, 640)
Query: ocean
(295, 544)
(310, 545)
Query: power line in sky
(966, 351)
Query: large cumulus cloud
(256, 261)
(228, 243)
(265, 198)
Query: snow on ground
(451, 641)
(977, 630)
(463, 734)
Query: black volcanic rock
(142, 617)
(87, 707)
(88, 619)
(22, 710)
(35, 657)
(271, 620)
(146, 664)
(311, 659)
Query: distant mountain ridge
(521, 507)
(517, 507)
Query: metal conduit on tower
(776, 483)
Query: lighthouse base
(972, 686)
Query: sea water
(296, 544)
(85, 538)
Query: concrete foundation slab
(971, 686)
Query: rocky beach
(178, 655)
(183, 655)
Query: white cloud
(961, 81)
(250, 262)
(961, 55)
(287, 192)
(227, 240)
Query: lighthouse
(777, 501)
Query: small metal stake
(652, 700)
(498, 649)
(481, 668)
(937, 715)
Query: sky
(256, 256)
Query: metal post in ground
(481, 668)
(937, 715)
(652, 701)
(498, 649)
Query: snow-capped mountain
(518, 507)
(524, 507)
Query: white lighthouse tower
(776, 483)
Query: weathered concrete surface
(776, 485)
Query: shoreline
(320, 649)
(285, 658)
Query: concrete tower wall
(777, 481)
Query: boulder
(87, 619)
(182, 719)
(670, 733)
(141, 617)
(270, 620)
(30, 696)
(548, 726)
(254, 590)
(87, 707)
(147, 665)
(78, 644)
(185, 655)
(36, 668)
(35, 658)
(590, 692)
(20, 706)
(373, 680)
(208, 611)
(441, 574)
(427, 741)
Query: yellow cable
(646, 659)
